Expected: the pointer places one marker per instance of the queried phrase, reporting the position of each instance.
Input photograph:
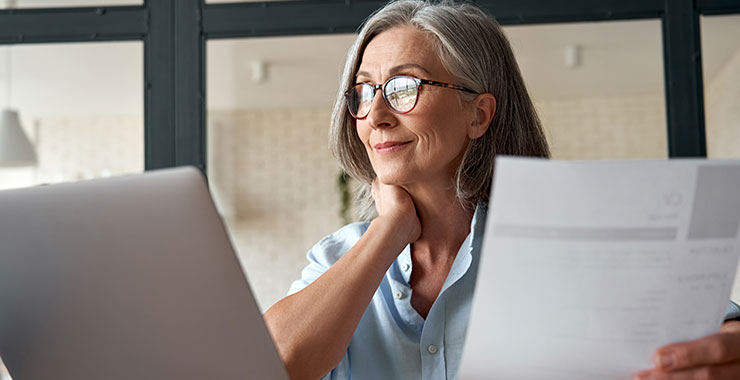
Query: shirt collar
(469, 250)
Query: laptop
(126, 278)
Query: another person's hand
(395, 204)
(712, 357)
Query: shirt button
(432, 349)
(405, 267)
(399, 294)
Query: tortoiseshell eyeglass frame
(382, 86)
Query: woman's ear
(485, 108)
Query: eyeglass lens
(400, 94)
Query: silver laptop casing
(126, 278)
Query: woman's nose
(380, 116)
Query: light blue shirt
(392, 340)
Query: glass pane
(65, 3)
(274, 180)
(721, 65)
(598, 87)
(80, 106)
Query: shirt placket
(402, 292)
(432, 348)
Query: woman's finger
(723, 347)
(730, 326)
(729, 371)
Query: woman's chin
(393, 179)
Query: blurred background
(598, 87)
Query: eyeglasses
(400, 94)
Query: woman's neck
(445, 222)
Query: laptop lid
(126, 278)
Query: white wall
(615, 127)
(722, 102)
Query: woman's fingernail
(665, 360)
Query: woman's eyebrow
(395, 70)
(362, 74)
(401, 68)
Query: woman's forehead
(405, 48)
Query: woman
(430, 93)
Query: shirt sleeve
(341, 372)
(733, 312)
(320, 258)
(326, 252)
(311, 272)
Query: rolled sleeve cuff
(733, 312)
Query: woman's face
(424, 146)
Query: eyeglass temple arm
(440, 84)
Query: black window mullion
(72, 24)
(718, 7)
(512, 12)
(189, 71)
(286, 18)
(684, 89)
(175, 99)
(159, 107)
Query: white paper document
(588, 267)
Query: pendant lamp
(15, 147)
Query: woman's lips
(390, 146)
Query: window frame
(175, 32)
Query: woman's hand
(395, 205)
(713, 357)
(313, 328)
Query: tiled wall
(275, 181)
(74, 148)
(605, 128)
(722, 100)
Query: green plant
(344, 196)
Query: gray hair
(473, 48)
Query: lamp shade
(15, 147)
